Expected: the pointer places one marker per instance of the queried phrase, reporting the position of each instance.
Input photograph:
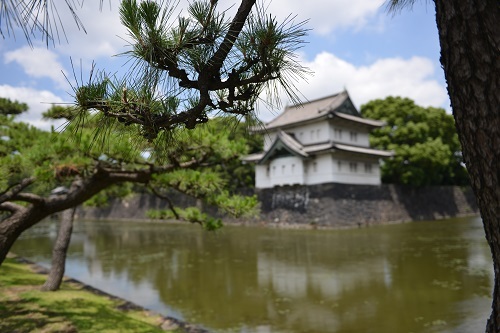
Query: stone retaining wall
(341, 205)
(328, 205)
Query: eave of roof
(253, 157)
(362, 150)
(332, 146)
(308, 151)
(370, 122)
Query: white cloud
(105, 33)
(413, 78)
(326, 16)
(37, 63)
(38, 101)
(102, 28)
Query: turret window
(368, 168)
(337, 134)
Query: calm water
(415, 277)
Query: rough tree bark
(469, 34)
(60, 250)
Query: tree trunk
(59, 251)
(23, 218)
(469, 34)
(10, 229)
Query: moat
(431, 276)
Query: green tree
(8, 107)
(469, 35)
(237, 174)
(38, 162)
(426, 146)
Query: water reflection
(417, 277)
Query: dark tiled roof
(338, 105)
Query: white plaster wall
(311, 133)
(363, 139)
(286, 171)
(319, 170)
(345, 136)
(262, 176)
(323, 169)
(346, 175)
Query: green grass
(24, 308)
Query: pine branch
(28, 197)
(167, 199)
(11, 207)
(235, 28)
(15, 189)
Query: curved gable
(347, 107)
(284, 145)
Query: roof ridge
(317, 99)
(293, 110)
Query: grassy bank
(24, 308)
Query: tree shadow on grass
(75, 315)
(19, 316)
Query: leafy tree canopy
(237, 174)
(425, 142)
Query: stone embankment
(326, 205)
(342, 205)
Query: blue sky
(353, 44)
